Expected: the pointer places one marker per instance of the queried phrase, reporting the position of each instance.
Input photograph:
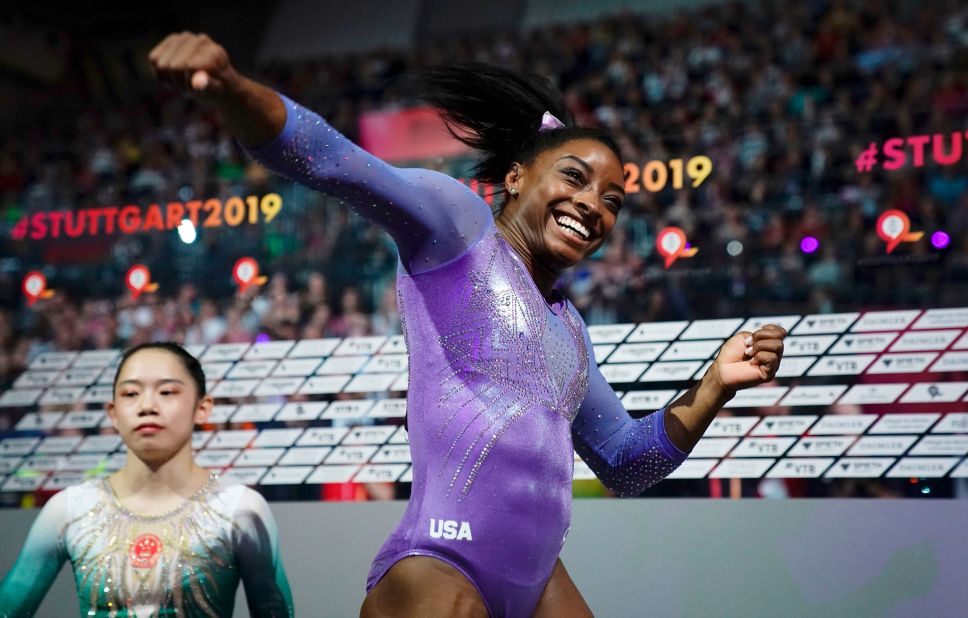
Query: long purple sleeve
(627, 454)
(431, 217)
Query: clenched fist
(193, 63)
(197, 65)
(749, 359)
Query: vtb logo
(450, 529)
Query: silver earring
(513, 192)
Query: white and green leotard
(184, 563)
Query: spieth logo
(450, 529)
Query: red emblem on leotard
(144, 551)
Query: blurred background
(776, 112)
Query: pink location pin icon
(35, 287)
(138, 280)
(246, 273)
(671, 244)
(894, 227)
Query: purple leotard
(502, 386)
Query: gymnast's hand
(199, 66)
(194, 63)
(749, 359)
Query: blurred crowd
(781, 96)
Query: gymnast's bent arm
(628, 454)
(42, 556)
(431, 216)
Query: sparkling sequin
(492, 352)
(100, 560)
(489, 410)
(180, 562)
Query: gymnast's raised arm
(431, 216)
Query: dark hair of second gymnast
(190, 362)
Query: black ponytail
(497, 112)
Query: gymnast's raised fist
(193, 63)
(197, 65)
